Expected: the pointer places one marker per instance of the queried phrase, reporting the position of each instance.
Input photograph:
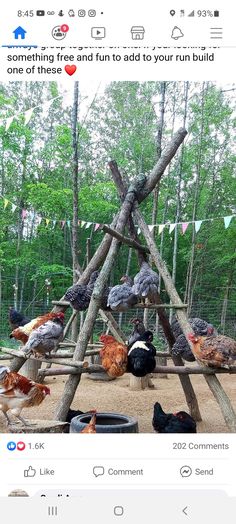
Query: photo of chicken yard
(118, 257)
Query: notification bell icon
(176, 33)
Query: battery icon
(216, 13)
(40, 12)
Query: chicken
(141, 355)
(199, 326)
(181, 346)
(146, 283)
(79, 295)
(180, 422)
(73, 413)
(138, 330)
(18, 392)
(46, 337)
(121, 297)
(23, 332)
(16, 318)
(91, 427)
(218, 351)
(114, 356)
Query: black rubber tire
(106, 423)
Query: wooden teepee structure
(105, 256)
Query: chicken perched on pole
(146, 283)
(45, 338)
(181, 346)
(18, 392)
(138, 329)
(121, 297)
(23, 332)
(79, 295)
(141, 355)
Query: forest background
(55, 166)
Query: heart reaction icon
(20, 446)
(70, 69)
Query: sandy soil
(115, 396)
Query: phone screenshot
(118, 262)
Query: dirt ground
(115, 396)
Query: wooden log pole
(100, 284)
(212, 381)
(125, 240)
(187, 386)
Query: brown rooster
(218, 352)
(114, 356)
(22, 333)
(91, 426)
(18, 392)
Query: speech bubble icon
(98, 471)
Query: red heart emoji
(20, 446)
(70, 69)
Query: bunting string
(31, 215)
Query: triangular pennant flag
(97, 226)
(24, 213)
(13, 208)
(28, 115)
(9, 121)
(151, 227)
(88, 224)
(39, 220)
(6, 202)
(171, 228)
(62, 223)
(138, 231)
(82, 223)
(68, 223)
(47, 220)
(198, 224)
(54, 223)
(184, 226)
(227, 221)
(160, 228)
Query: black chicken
(73, 413)
(181, 347)
(141, 355)
(180, 422)
(138, 330)
(79, 295)
(16, 319)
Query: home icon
(19, 32)
(137, 32)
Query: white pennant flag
(13, 208)
(160, 228)
(138, 231)
(9, 121)
(227, 221)
(88, 224)
(198, 224)
(28, 115)
(151, 227)
(171, 228)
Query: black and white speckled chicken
(121, 297)
(146, 283)
(79, 295)
(16, 319)
(138, 329)
(181, 346)
(141, 355)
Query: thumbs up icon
(30, 472)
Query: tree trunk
(75, 244)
